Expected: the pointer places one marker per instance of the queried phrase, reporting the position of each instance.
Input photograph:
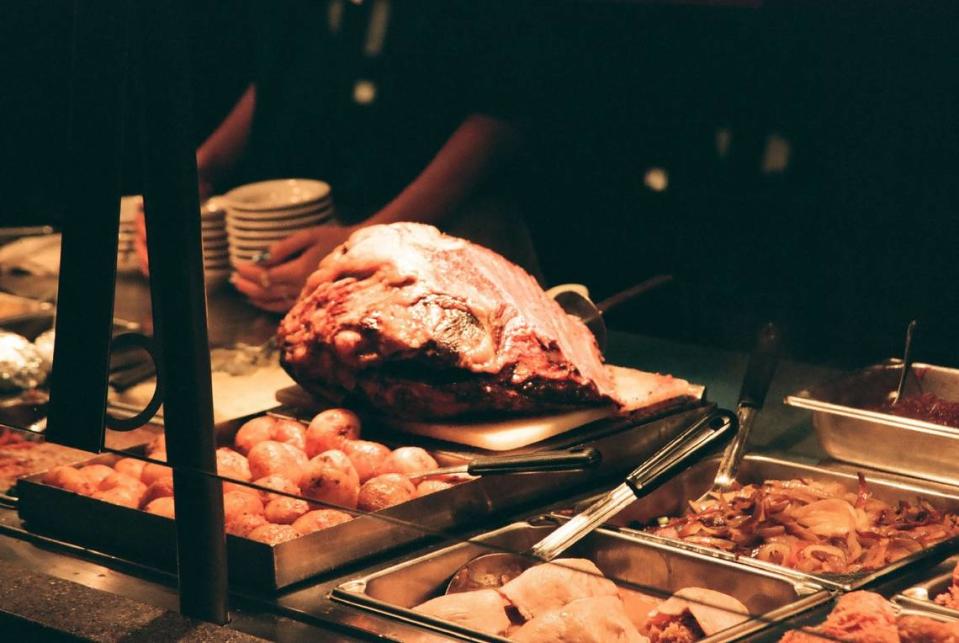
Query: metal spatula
(493, 570)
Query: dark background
(854, 237)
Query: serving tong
(493, 570)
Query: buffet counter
(80, 576)
(364, 593)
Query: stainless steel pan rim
(922, 594)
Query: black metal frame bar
(84, 322)
(160, 76)
(171, 204)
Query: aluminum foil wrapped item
(21, 365)
(44, 344)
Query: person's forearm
(464, 161)
(224, 147)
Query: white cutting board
(512, 433)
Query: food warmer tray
(848, 430)
(149, 539)
(650, 567)
(922, 594)
(671, 498)
(816, 616)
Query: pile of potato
(324, 462)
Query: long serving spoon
(752, 395)
(493, 570)
(906, 361)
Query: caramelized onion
(812, 526)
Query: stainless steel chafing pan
(671, 500)
(815, 617)
(649, 567)
(149, 539)
(850, 430)
(922, 595)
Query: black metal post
(179, 303)
(88, 259)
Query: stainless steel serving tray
(149, 539)
(816, 617)
(848, 430)
(671, 500)
(922, 595)
(648, 567)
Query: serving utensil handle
(752, 396)
(707, 430)
(570, 460)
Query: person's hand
(275, 284)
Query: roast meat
(426, 326)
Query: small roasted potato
(431, 486)
(162, 488)
(243, 524)
(277, 482)
(231, 464)
(162, 506)
(236, 503)
(69, 479)
(116, 480)
(337, 459)
(124, 496)
(331, 478)
(267, 427)
(328, 429)
(130, 466)
(273, 534)
(284, 511)
(365, 455)
(407, 460)
(153, 472)
(271, 457)
(320, 519)
(95, 473)
(290, 432)
(240, 488)
(385, 491)
(254, 431)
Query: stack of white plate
(260, 214)
(126, 251)
(216, 253)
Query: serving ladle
(574, 301)
(494, 570)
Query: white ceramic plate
(276, 194)
(311, 218)
(274, 216)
